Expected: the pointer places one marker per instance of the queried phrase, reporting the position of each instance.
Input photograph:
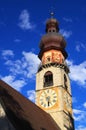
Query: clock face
(48, 98)
(67, 102)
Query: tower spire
(53, 90)
(52, 24)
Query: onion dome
(55, 40)
(52, 25)
(52, 39)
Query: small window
(48, 58)
(53, 30)
(48, 79)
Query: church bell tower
(53, 90)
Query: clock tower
(53, 90)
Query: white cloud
(65, 33)
(84, 104)
(78, 72)
(76, 111)
(7, 53)
(16, 84)
(26, 66)
(79, 115)
(80, 127)
(16, 67)
(67, 19)
(8, 79)
(31, 95)
(80, 46)
(25, 23)
(32, 62)
(21, 70)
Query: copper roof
(52, 40)
(22, 113)
(54, 37)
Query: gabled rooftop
(22, 113)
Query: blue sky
(22, 24)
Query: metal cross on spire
(52, 14)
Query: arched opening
(65, 82)
(48, 79)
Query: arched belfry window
(48, 79)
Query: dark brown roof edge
(22, 113)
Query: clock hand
(48, 100)
(48, 103)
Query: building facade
(53, 89)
